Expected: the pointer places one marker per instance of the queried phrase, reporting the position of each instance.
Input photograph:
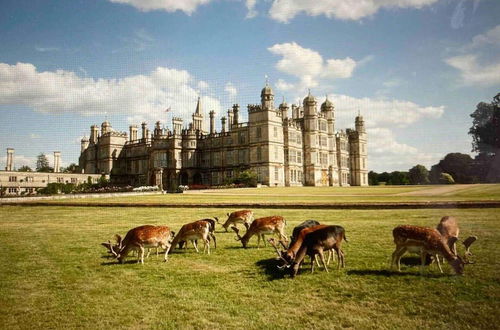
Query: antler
(217, 219)
(467, 243)
(272, 241)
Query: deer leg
(246, 224)
(147, 255)
(207, 245)
(322, 256)
(195, 245)
(167, 249)
(312, 263)
(258, 241)
(316, 258)
(439, 263)
(140, 255)
(396, 257)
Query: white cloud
(285, 10)
(308, 66)
(386, 154)
(203, 85)
(250, 4)
(491, 37)
(283, 85)
(34, 136)
(186, 6)
(46, 49)
(230, 89)
(474, 73)
(140, 96)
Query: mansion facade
(284, 146)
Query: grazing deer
(296, 233)
(142, 237)
(260, 227)
(424, 241)
(113, 249)
(289, 256)
(448, 228)
(192, 232)
(244, 216)
(316, 242)
(211, 233)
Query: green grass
(54, 274)
(292, 195)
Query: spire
(198, 107)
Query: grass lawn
(292, 195)
(54, 274)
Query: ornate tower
(310, 140)
(198, 117)
(358, 153)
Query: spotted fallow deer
(260, 227)
(142, 237)
(194, 231)
(316, 242)
(424, 241)
(244, 217)
(211, 233)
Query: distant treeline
(454, 168)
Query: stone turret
(267, 97)
(133, 133)
(212, 122)
(94, 134)
(84, 143)
(10, 159)
(236, 111)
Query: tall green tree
(373, 178)
(399, 178)
(418, 174)
(485, 128)
(42, 163)
(459, 165)
(71, 168)
(485, 132)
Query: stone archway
(197, 179)
(183, 178)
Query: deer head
(467, 243)
(243, 240)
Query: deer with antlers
(142, 237)
(316, 242)
(193, 231)
(244, 217)
(260, 227)
(424, 241)
(290, 254)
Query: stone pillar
(229, 119)
(223, 123)
(57, 161)
(144, 130)
(10, 159)
(236, 111)
(212, 122)
(133, 133)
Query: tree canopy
(42, 163)
(485, 128)
(418, 174)
(25, 168)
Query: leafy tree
(399, 178)
(384, 177)
(247, 178)
(485, 128)
(25, 168)
(71, 168)
(42, 163)
(373, 178)
(459, 166)
(435, 174)
(418, 174)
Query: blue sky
(415, 69)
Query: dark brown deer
(315, 243)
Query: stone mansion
(284, 146)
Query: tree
(373, 178)
(42, 163)
(25, 168)
(71, 168)
(384, 177)
(418, 174)
(446, 179)
(435, 174)
(399, 178)
(485, 128)
(459, 166)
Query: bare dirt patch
(434, 191)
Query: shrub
(446, 178)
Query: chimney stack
(212, 122)
(57, 161)
(10, 159)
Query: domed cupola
(327, 105)
(267, 97)
(309, 99)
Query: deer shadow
(270, 268)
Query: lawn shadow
(270, 268)
(390, 273)
(116, 262)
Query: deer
(113, 249)
(260, 227)
(192, 232)
(315, 243)
(244, 216)
(210, 233)
(425, 241)
(147, 236)
(448, 228)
